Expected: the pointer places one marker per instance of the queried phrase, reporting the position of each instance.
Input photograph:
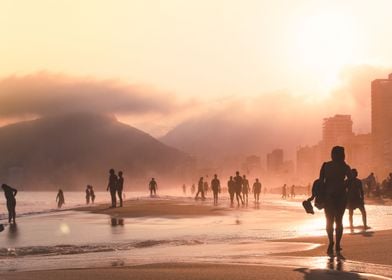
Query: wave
(91, 248)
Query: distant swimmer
(256, 190)
(356, 199)
(292, 191)
(238, 188)
(245, 189)
(284, 191)
(88, 194)
(60, 198)
(10, 194)
(112, 186)
(231, 189)
(120, 187)
(200, 189)
(153, 187)
(215, 185)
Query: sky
(191, 56)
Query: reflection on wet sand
(116, 222)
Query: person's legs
(231, 197)
(363, 212)
(119, 193)
(339, 228)
(350, 217)
(329, 228)
(113, 195)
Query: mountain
(71, 151)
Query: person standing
(153, 187)
(10, 194)
(256, 190)
(292, 191)
(332, 176)
(238, 188)
(245, 189)
(92, 194)
(356, 199)
(284, 191)
(200, 189)
(60, 198)
(120, 186)
(184, 189)
(112, 186)
(215, 185)
(88, 194)
(231, 188)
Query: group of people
(285, 193)
(116, 186)
(90, 194)
(238, 187)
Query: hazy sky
(201, 51)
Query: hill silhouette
(70, 151)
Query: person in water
(215, 186)
(245, 189)
(153, 187)
(332, 176)
(231, 189)
(88, 194)
(238, 188)
(120, 187)
(256, 189)
(60, 198)
(10, 194)
(356, 199)
(200, 189)
(112, 186)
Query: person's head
(372, 174)
(244, 177)
(120, 173)
(257, 180)
(237, 173)
(111, 171)
(215, 176)
(152, 179)
(354, 172)
(60, 190)
(337, 153)
(3, 186)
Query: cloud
(45, 94)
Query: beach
(180, 238)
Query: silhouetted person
(231, 189)
(10, 194)
(193, 189)
(184, 189)
(112, 186)
(153, 187)
(206, 187)
(284, 191)
(200, 189)
(370, 183)
(88, 194)
(215, 185)
(292, 191)
(60, 198)
(120, 187)
(238, 188)
(332, 176)
(256, 189)
(245, 189)
(356, 199)
(92, 194)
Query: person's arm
(14, 192)
(361, 191)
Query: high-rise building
(275, 161)
(382, 126)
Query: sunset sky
(201, 52)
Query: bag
(308, 206)
(318, 191)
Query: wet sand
(368, 246)
(155, 208)
(187, 271)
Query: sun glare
(325, 43)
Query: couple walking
(115, 185)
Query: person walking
(238, 188)
(60, 198)
(200, 189)
(356, 199)
(245, 189)
(256, 189)
(88, 194)
(215, 185)
(231, 189)
(120, 186)
(153, 187)
(10, 194)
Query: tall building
(337, 131)
(275, 161)
(381, 126)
